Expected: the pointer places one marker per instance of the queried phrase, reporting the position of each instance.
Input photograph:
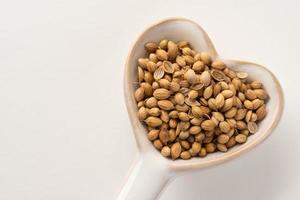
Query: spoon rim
(183, 166)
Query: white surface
(64, 131)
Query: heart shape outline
(137, 51)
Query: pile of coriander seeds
(193, 105)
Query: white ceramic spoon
(152, 171)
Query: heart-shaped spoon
(152, 171)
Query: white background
(64, 130)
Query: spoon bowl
(152, 171)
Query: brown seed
(208, 125)
(142, 113)
(223, 138)
(224, 85)
(151, 102)
(210, 147)
(168, 67)
(231, 113)
(182, 108)
(155, 85)
(240, 138)
(196, 147)
(231, 142)
(148, 77)
(191, 139)
(196, 111)
(139, 94)
(194, 130)
(143, 62)
(153, 57)
(231, 122)
(237, 83)
(218, 64)
(155, 112)
(173, 114)
(175, 150)
(184, 135)
(151, 66)
(151, 47)
(187, 51)
(231, 74)
(242, 75)
(261, 112)
(165, 151)
(157, 144)
(208, 92)
(165, 104)
(164, 83)
(224, 127)
(244, 132)
(173, 123)
(172, 135)
(250, 94)
(191, 102)
(202, 152)
(248, 104)
(205, 57)
(205, 78)
(140, 74)
(174, 86)
(161, 93)
(252, 127)
(163, 44)
(159, 73)
(220, 100)
(241, 113)
(218, 75)
(196, 121)
(188, 59)
(190, 76)
(182, 44)
(227, 94)
(164, 136)
(172, 50)
(147, 89)
(212, 104)
(185, 155)
(222, 147)
(217, 89)
(140, 104)
(185, 144)
(164, 116)
(161, 54)
(153, 121)
(193, 94)
(248, 116)
(241, 96)
(215, 121)
(153, 134)
(184, 125)
(241, 125)
(183, 116)
(256, 85)
(219, 116)
(261, 94)
(180, 61)
(179, 99)
(198, 66)
(253, 117)
(257, 103)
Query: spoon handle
(146, 180)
